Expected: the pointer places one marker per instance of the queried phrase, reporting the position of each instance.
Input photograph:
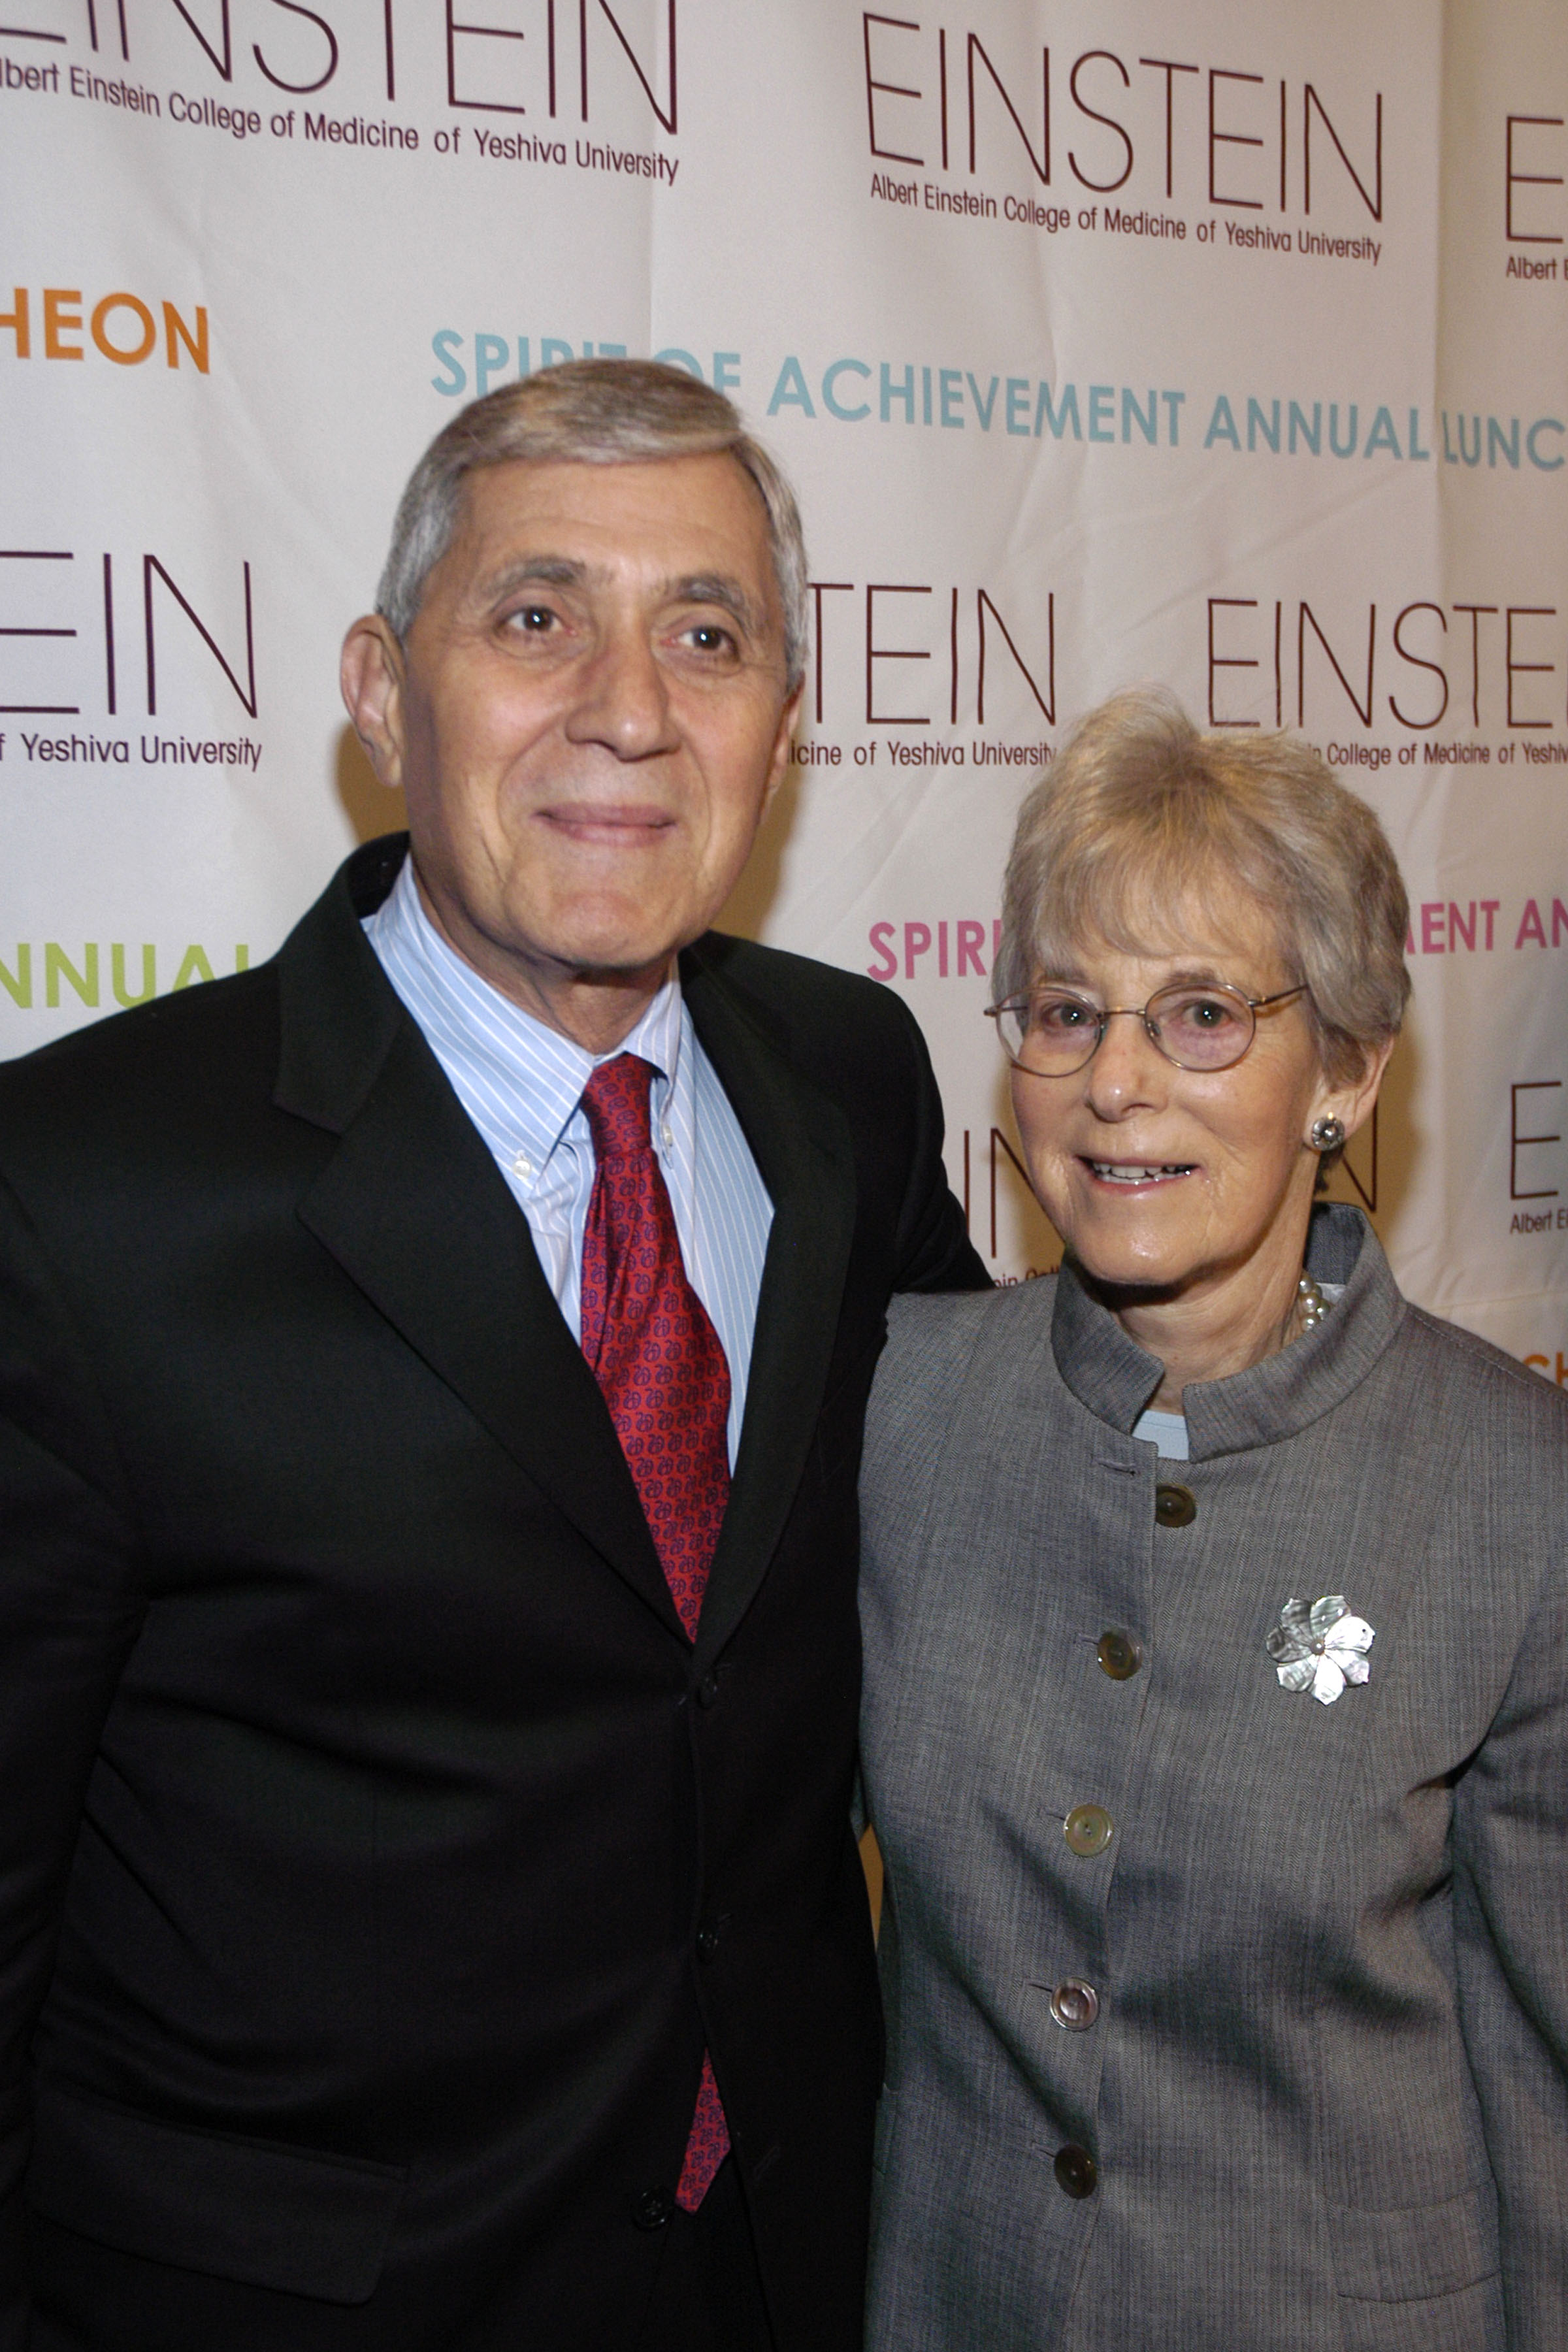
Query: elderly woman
(1216, 1728)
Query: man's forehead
(692, 526)
(635, 497)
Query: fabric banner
(1220, 346)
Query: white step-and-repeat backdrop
(1105, 341)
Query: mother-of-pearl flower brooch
(1320, 1648)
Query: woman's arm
(1510, 1846)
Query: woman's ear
(1352, 1101)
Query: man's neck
(595, 1009)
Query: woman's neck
(1213, 1327)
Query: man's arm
(69, 1612)
(934, 1251)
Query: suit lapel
(413, 1208)
(804, 1150)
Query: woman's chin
(1133, 1264)
(1128, 1249)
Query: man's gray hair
(1140, 820)
(591, 413)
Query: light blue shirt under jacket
(521, 1084)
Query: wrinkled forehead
(1207, 919)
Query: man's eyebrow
(718, 588)
(548, 571)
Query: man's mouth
(622, 823)
(1139, 1171)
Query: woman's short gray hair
(1139, 815)
(593, 412)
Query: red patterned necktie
(658, 1360)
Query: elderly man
(431, 1377)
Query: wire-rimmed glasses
(1053, 1031)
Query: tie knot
(615, 1104)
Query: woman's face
(1182, 1180)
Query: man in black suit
(429, 1918)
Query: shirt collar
(523, 1080)
(1115, 1378)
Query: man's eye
(708, 638)
(534, 620)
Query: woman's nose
(1126, 1071)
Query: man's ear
(372, 676)
(784, 743)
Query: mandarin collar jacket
(1317, 2094)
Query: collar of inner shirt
(551, 1126)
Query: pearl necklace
(1311, 1304)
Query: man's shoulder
(169, 1033)
(192, 1055)
(200, 1061)
(794, 990)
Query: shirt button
(1088, 1828)
(1119, 1654)
(1075, 2005)
(1174, 1507)
(667, 1139)
(653, 2209)
(1076, 2170)
(523, 1165)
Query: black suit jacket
(376, 1856)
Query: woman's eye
(1060, 1013)
(1204, 1013)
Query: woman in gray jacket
(1216, 1728)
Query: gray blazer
(1323, 2101)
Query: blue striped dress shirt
(521, 1084)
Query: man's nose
(1129, 1072)
(624, 700)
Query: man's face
(589, 717)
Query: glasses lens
(1052, 1031)
(1201, 1028)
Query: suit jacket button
(1075, 2005)
(1088, 1828)
(653, 2209)
(1119, 1654)
(1076, 2170)
(1174, 1507)
(708, 1689)
(707, 1943)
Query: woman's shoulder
(1469, 1381)
(926, 1325)
(937, 1338)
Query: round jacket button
(708, 1689)
(1075, 2005)
(1088, 1828)
(707, 1943)
(1076, 2171)
(653, 2209)
(1119, 1654)
(1174, 1507)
